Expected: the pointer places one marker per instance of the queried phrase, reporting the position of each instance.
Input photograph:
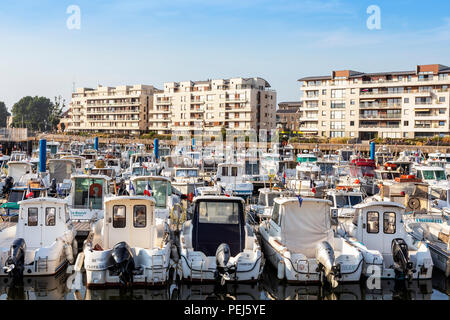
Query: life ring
(92, 190)
(191, 197)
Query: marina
(132, 223)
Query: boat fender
(68, 252)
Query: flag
(58, 189)
(148, 189)
(284, 177)
(300, 200)
(195, 190)
(29, 193)
(131, 187)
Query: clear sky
(151, 42)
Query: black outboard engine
(123, 262)
(402, 265)
(223, 270)
(15, 264)
(9, 183)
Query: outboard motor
(327, 265)
(123, 262)
(15, 264)
(223, 269)
(9, 183)
(402, 265)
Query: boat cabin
(161, 189)
(431, 175)
(218, 219)
(360, 168)
(19, 169)
(306, 157)
(87, 195)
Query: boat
(300, 243)
(379, 233)
(127, 247)
(343, 199)
(229, 177)
(217, 245)
(42, 241)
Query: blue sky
(150, 42)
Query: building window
(405, 112)
(324, 113)
(352, 123)
(352, 112)
(406, 123)
(353, 90)
(441, 123)
(441, 111)
(324, 123)
(324, 91)
(441, 99)
(406, 100)
(352, 102)
(324, 103)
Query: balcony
(380, 105)
(380, 116)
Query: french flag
(148, 190)
(29, 193)
(284, 177)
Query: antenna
(73, 86)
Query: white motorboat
(300, 243)
(217, 244)
(344, 199)
(42, 241)
(230, 177)
(379, 233)
(127, 246)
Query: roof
(356, 74)
(149, 178)
(222, 198)
(43, 199)
(98, 176)
(379, 203)
(284, 200)
(124, 198)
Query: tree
(63, 126)
(3, 114)
(37, 113)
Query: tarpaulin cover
(302, 228)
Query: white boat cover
(302, 228)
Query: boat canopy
(303, 226)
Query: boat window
(389, 222)
(354, 200)
(372, 222)
(16, 195)
(219, 212)
(271, 197)
(159, 190)
(276, 213)
(440, 175)
(50, 216)
(140, 216)
(119, 217)
(224, 171)
(342, 202)
(32, 217)
(428, 174)
(331, 198)
(234, 171)
(88, 193)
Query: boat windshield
(270, 198)
(159, 190)
(326, 168)
(88, 193)
(16, 195)
(218, 212)
(307, 159)
(437, 175)
(347, 201)
(187, 173)
(140, 171)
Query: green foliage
(3, 114)
(37, 113)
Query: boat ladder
(42, 264)
(159, 266)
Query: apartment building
(119, 110)
(397, 104)
(288, 116)
(236, 103)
